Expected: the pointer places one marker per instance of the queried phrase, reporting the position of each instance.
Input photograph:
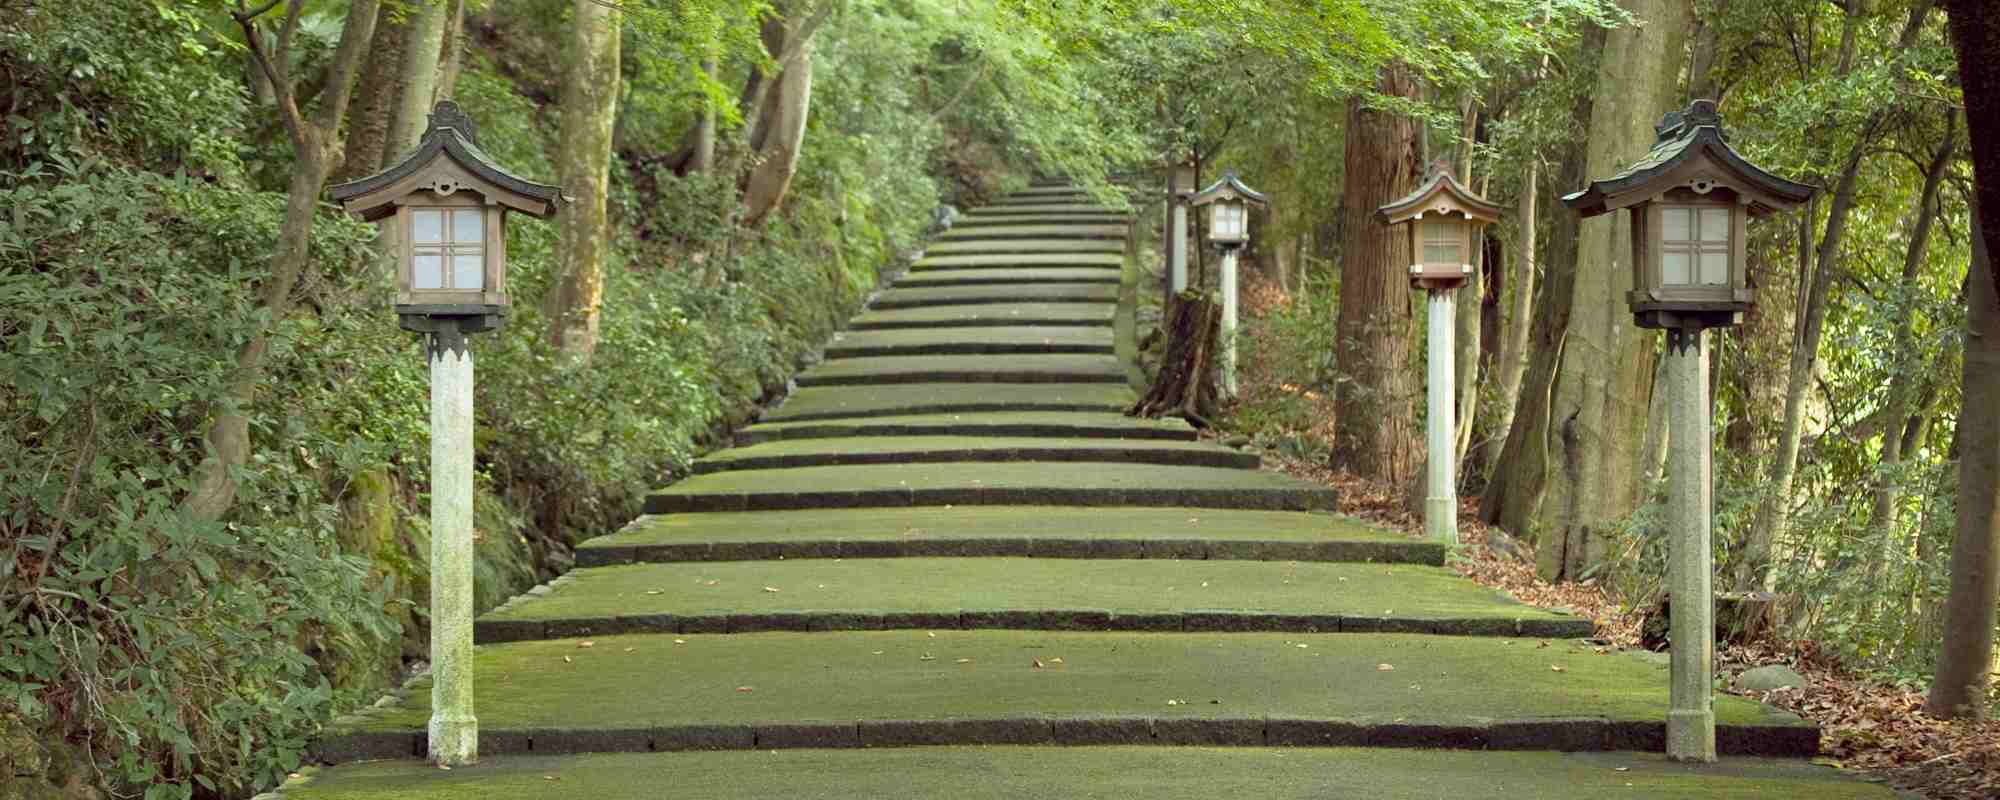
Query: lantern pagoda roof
(449, 139)
(1229, 186)
(1440, 193)
(1692, 151)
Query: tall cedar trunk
(315, 144)
(1376, 409)
(781, 132)
(1966, 659)
(703, 157)
(1906, 372)
(589, 111)
(1512, 362)
(374, 101)
(451, 50)
(1517, 482)
(1753, 570)
(416, 79)
(1467, 308)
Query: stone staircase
(950, 536)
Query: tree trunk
(416, 78)
(375, 102)
(1513, 360)
(781, 132)
(589, 111)
(1465, 356)
(1966, 658)
(704, 131)
(314, 145)
(1594, 421)
(1376, 410)
(451, 50)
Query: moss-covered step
(1019, 593)
(1100, 772)
(1052, 424)
(1064, 219)
(1037, 231)
(1024, 339)
(990, 260)
(1009, 276)
(893, 485)
(884, 370)
(1056, 293)
(990, 449)
(1005, 531)
(1015, 209)
(1009, 246)
(903, 687)
(987, 314)
(821, 403)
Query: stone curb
(1334, 551)
(752, 436)
(501, 631)
(975, 234)
(1019, 247)
(1556, 734)
(960, 376)
(944, 408)
(1137, 454)
(839, 351)
(946, 278)
(1059, 218)
(1300, 499)
(977, 322)
(1025, 209)
(934, 269)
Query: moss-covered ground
(889, 445)
(968, 295)
(986, 314)
(1057, 336)
(991, 522)
(1036, 229)
(1111, 773)
(636, 681)
(963, 260)
(957, 584)
(826, 402)
(1027, 246)
(1031, 476)
(1083, 367)
(1009, 275)
(1054, 421)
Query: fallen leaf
(1301, 645)
(771, 588)
(1056, 660)
(548, 777)
(711, 583)
(586, 643)
(630, 649)
(1557, 668)
(1385, 668)
(1621, 769)
(655, 591)
(568, 660)
(878, 652)
(965, 661)
(926, 657)
(680, 641)
(746, 689)
(443, 767)
(932, 634)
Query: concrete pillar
(1178, 181)
(1229, 322)
(1441, 496)
(1691, 710)
(454, 731)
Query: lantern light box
(1442, 219)
(1229, 220)
(449, 203)
(1689, 199)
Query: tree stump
(1740, 618)
(1186, 385)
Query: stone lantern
(1690, 198)
(1442, 219)
(1229, 230)
(447, 204)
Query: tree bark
(781, 132)
(589, 112)
(416, 78)
(1513, 359)
(375, 101)
(1375, 407)
(451, 51)
(1965, 660)
(315, 145)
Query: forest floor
(1870, 726)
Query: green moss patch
(962, 484)
(1036, 230)
(989, 522)
(1019, 773)
(837, 402)
(638, 681)
(1015, 368)
(962, 261)
(988, 314)
(1025, 246)
(979, 295)
(1009, 276)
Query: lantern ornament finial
(1690, 197)
(1443, 220)
(448, 202)
(1229, 220)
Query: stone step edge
(947, 408)
(890, 303)
(1138, 454)
(923, 280)
(968, 221)
(1564, 734)
(1009, 247)
(974, 233)
(840, 351)
(977, 322)
(958, 376)
(921, 268)
(1326, 551)
(751, 436)
(500, 631)
(1300, 499)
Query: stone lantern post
(1229, 231)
